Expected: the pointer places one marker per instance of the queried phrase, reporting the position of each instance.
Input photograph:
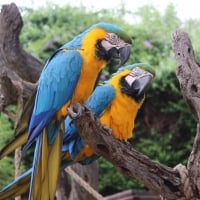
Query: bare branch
(188, 74)
(157, 177)
(11, 53)
(17, 67)
(188, 70)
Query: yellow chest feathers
(92, 65)
(121, 113)
(90, 69)
(120, 117)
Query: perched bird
(68, 76)
(109, 102)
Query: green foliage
(6, 165)
(110, 177)
(6, 129)
(192, 27)
(61, 24)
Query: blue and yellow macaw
(116, 103)
(68, 76)
(73, 67)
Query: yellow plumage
(120, 115)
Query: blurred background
(165, 127)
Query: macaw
(109, 102)
(78, 64)
(68, 76)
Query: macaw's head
(135, 83)
(112, 42)
(133, 80)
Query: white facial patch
(136, 73)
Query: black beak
(140, 85)
(136, 83)
(124, 54)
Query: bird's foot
(76, 110)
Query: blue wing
(55, 87)
(100, 99)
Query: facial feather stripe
(136, 73)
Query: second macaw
(68, 76)
(116, 103)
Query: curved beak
(140, 85)
(121, 51)
(124, 54)
(138, 80)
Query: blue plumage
(100, 99)
(69, 75)
(59, 79)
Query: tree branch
(17, 67)
(11, 53)
(159, 178)
(188, 74)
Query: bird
(68, 76)
(108, 102)
(109, 41)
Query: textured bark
(188, 74)
(63, 187)
(17, 67)
(90, 175)
(155, 176)
(12, 54)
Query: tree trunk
(63, 188)
(89, 173)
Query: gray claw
(75, 110)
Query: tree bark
(63, 187)
(90, 175)
(188, 74)
(17, 67)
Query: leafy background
(165, 128)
